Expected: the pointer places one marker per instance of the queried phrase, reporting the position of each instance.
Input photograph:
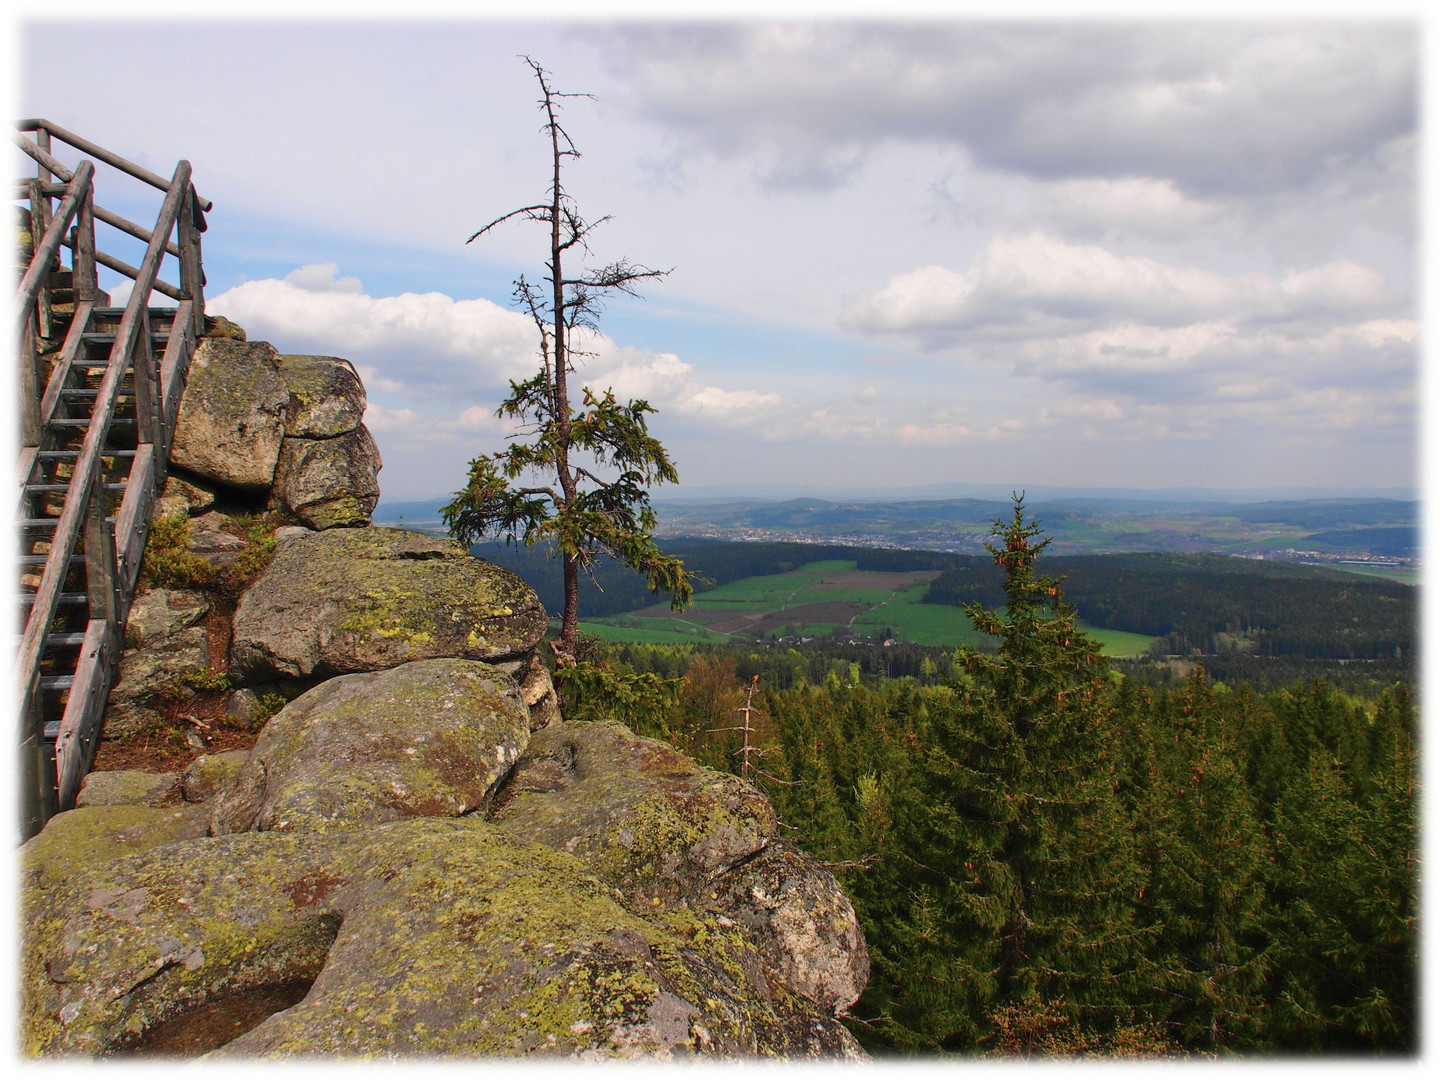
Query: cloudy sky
(1099, 253)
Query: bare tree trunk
(570, 618)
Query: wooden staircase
(99, 393)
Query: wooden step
(45, 524)
(41, 560)
(80, 423)
(102, 338)
(66, 599)
(37, 489)
(71, 455)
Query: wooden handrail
(46, 250)
(87, 465)
(99, 153)
(122, 267)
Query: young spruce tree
(573, 479)
(1024, 877)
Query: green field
(1406, 575)
(1117, 643)
(817, 600)
(650, 632)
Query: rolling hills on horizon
(1332, 529)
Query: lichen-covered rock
(537, 689)
(126, 787)
(426, 938)
(667, 831)
(182, 497)
(212, 539)
(153, 672)
(349, 600)
(217, 326)
(327, 397)
(651, 821)
(207, 774)
(232, 416)
(430, 739)
(803, 924)
(81, 839)
(161, 613)
(329, 483)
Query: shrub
(168, 562)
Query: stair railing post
(82, 279)
(37, 783)
(101, 572)
(142, 364)
(192, 275)
(39, 224)
(29, 385)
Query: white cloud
(416, 343)
(1037, 284)
(667, 382)
(379, 418)
(1215, 107)
(321, 278)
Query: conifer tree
(1207, 858)
(579, 483)
(1023, 865)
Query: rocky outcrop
(286, 426)
(443, 934)
(654, 823)
(431, 738)
(417, 857)
(664, 830)
(352, 600)
(232, 416)
(423, 938)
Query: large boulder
(232, 416)
(349, 600)
(802, 921)
(126, 787)
(329, 483)
(78, 840)
(666, 831)
(424, 938)
(327, 397)
(654, 823)
(430, 738)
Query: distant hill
(1386, 528)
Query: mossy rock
(217, 326)
(650, 820)
(87, 836)
(327, 397)
(209, 773)
(232, 415)
(349, 600)
(180, 496)
(430, 738)
(126, 787)
(329, 483)
(425, 938)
